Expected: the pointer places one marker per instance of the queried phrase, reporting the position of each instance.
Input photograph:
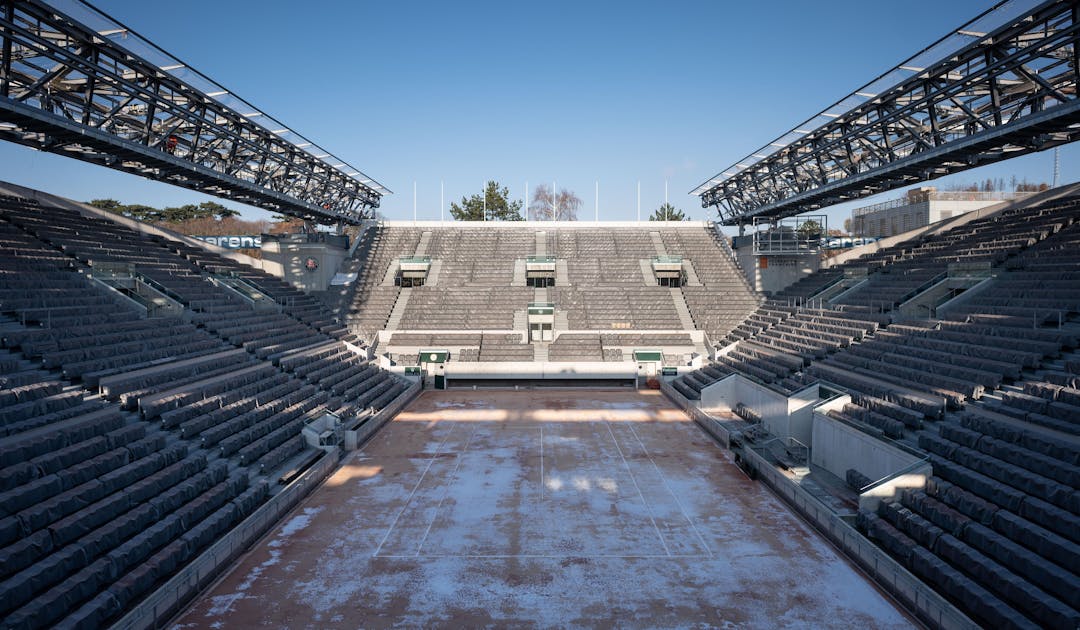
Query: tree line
(208, 218)
(493, 203)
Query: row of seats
(372, 302)
(131, 445)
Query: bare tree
(547, 206)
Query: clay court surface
(542, 509)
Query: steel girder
(75, 82)
(1009, 92)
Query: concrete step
(422, 246)
(658, 243)
(647, 273)
(519, 273)
(540, 352)
(561, 322)
(562, 274)
(391, 274)
(680, 307)
(692, 279)
(399, 309)
(433, 273)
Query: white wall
(781, 272)
(781, 415)
(540, 370)
(838, 447)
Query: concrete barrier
(714, 427)
(171, 597)
(910, 591)
(355, 438)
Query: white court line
(630, 472)
(446, 492)
(541, 462)
(670, 491)
(415, 488)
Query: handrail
(923, 287)
(893, 475)
(157, 286)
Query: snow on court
(542, 509)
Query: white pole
(598, 201)
(526, 200)
(639, 201)
(414, 201)
(554, 206)
(442, 203)
(483, 191)
(665, 191)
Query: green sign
(434, 356)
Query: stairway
(519, 273)
(540, 352)
(647, 272)
(562, 275)
(422, 246)
(679, 300)
(561, 321)
(692, 279)
(433, 273)
(658, 243)
(399, 309)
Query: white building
(921, 207)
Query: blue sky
(571, 92)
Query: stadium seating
(130, 444)
(476, 282)
(370, 302)
(989, 391)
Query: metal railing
(893, 475)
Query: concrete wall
(779, 272)
(540, 370)
(287, 261)
(355, 439)
(928, 605)
(783, 416)
(715, 427)
(838, 447)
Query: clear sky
(571, 92)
